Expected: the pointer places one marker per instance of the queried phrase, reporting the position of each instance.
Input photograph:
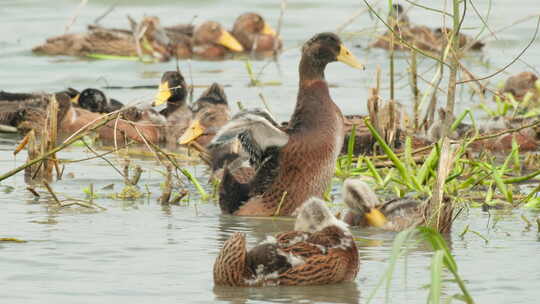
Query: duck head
(314, 216)
(251, 29)
(172, 89)
(210, 113)
(320, 50)
(89, 99)
(361, 199)
(397, 15)
(211, 32)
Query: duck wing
(256, 131)
(316, 270)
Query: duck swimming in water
(255, 34)
(320, 250)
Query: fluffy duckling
(298, 162)
(210, 113)
(366, 209)
(255, 34)
(320, 250)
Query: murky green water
(142, 252)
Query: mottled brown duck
(297, 163)
(209, 41)
(98, 40)
(255, 34)
(422, 37)
(320, 250)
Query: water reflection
(337, 293)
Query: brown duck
(255, 34)
(320, 250)
(420, 36)
(208, 41)
(298, 163)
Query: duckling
(320, 250)
(367, 210)
(177, 114)
(299, 162)
(210, 113)
(255, 34)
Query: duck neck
(313, 97)
(311, 71)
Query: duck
(94, 100)
(520, 84)
(298, 162)
(320, 250)
(209, 41)
(99, 40)
(210, 112)
(212, 42)
(422, 37)
(365, 209)
(71, 119)
(255, 34)
(91, 99)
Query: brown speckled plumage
(326, 255)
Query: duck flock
(265, 167)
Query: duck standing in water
(298, 162)
(320, 250)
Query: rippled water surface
(141, 252)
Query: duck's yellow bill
(375, 218)
(163, 94)
(348, 58)
(228, 41)
(193, 132)
(268, 30)
(75, 99)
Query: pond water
(142, 252)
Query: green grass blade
(436, 274)
(405, 174)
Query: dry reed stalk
(439, 211)
(37, 158)
(415, 90)
(167, 187)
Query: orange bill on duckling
(320, 250)
(299, 161)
